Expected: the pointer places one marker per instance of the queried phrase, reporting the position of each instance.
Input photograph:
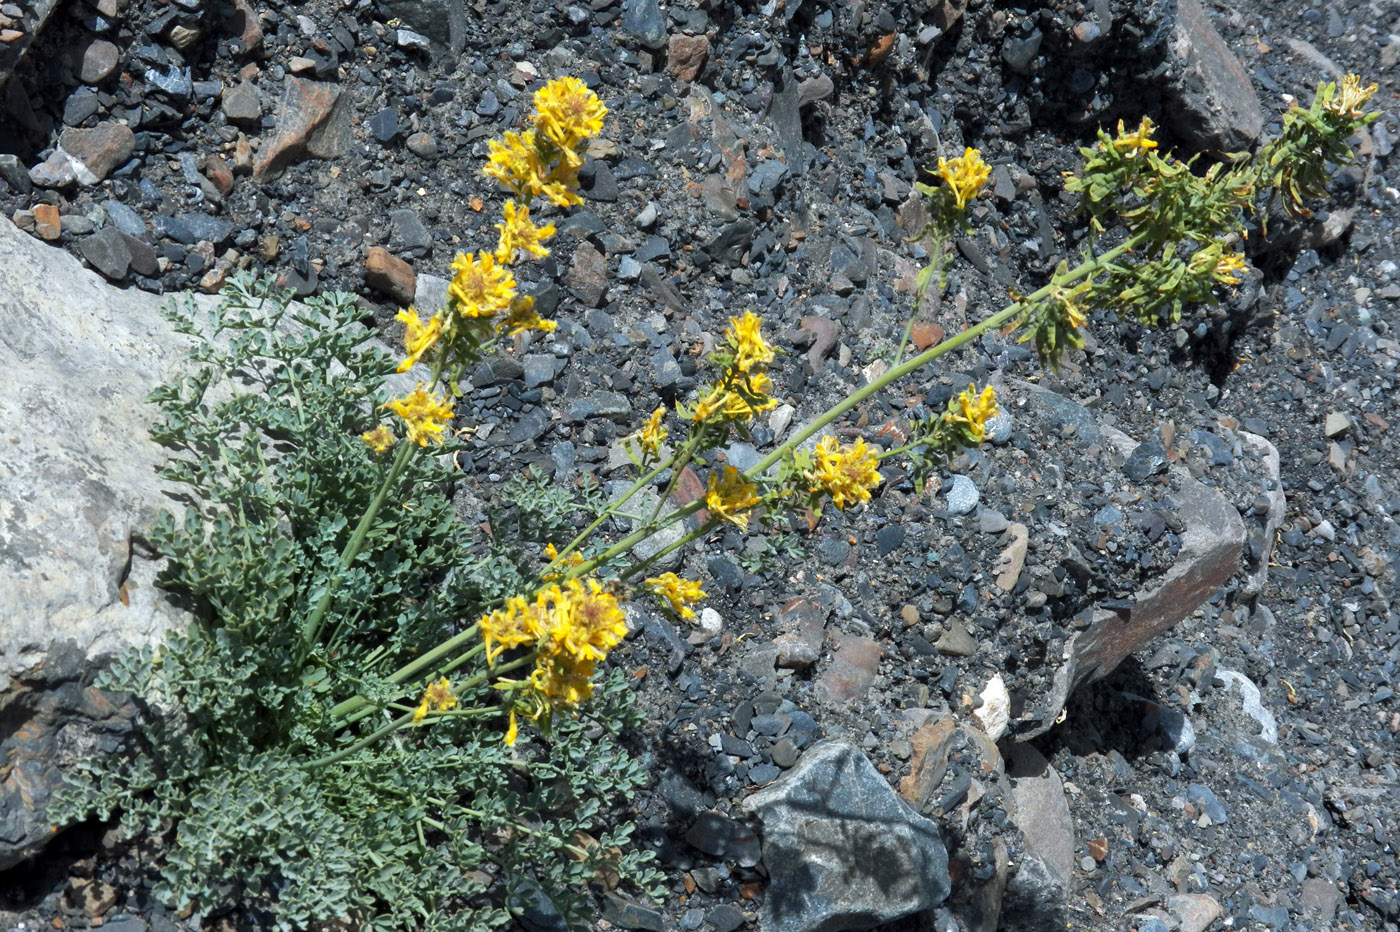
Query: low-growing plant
(383, 717)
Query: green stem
(407, 718)
(408, 670)
(929, 355)
(699, 532)
(606, 514)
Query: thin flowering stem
(406, 719)
(419, 664)
(670, 548)
(608, 513)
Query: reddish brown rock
(390, 276)
(305, 107)
(851, 671)
(928, 763)
(686, 56)
(244, 21)
(587, 277)
(219, 174)
(925, 335)
(103, 149)
(47, 223)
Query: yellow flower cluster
(730, 497)
(679, 593)
(480, 286)
(1129, 145)
(1214, 261)
(648, 439)
(438, 697)
(964, 175)
(544, 161)
(570, 627)
(971, 411)
(847, 473)
(523, 316)
(425, 416)
(744, 390)
(518, 234)
(419, 336)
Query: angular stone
(305, 107)
(47, 223)
(98, 151)
(242, 105)
(1217, 107)
(245, 22)
(842, 850)
(390, 276)
(587, 277)
(686, 56)
(803, 626)
(1013, 558)
(1042, 812)
(993, 712)
(106, 251)
(929, 762)
(1211, 543)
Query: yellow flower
(512, 732)
(551, 553)
(518, 235)
(480, 287)
(652, 433)
(965, 175)
(1227, 266)
(523, 317)
(680, 593)
(1130, 144)
(745, 336)
(972, 411)
(438, 697)
(510, 626)
(567, 112)
(565, 681)
(380, 439)
(846, 473)
(515, 163)
(738, 400)
(561, 184)
(419, 336)
(1350, 99)
(424, 415)
(729, 497)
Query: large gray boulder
(842, 850)
(78, 485)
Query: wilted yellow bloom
(847, 473)
(730, 497)
(964, 175)
(522, 317)
(518, 234)
(480, 287)
(1227, 268)
(419, 336)
(680, 593)
(380, 440)
(972, 411)
(567, 112)
(745, 336)
(1130, 144)
(425, 416)
(1350, 99)
(437, 697)
(512, 732)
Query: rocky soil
(1212, 503)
